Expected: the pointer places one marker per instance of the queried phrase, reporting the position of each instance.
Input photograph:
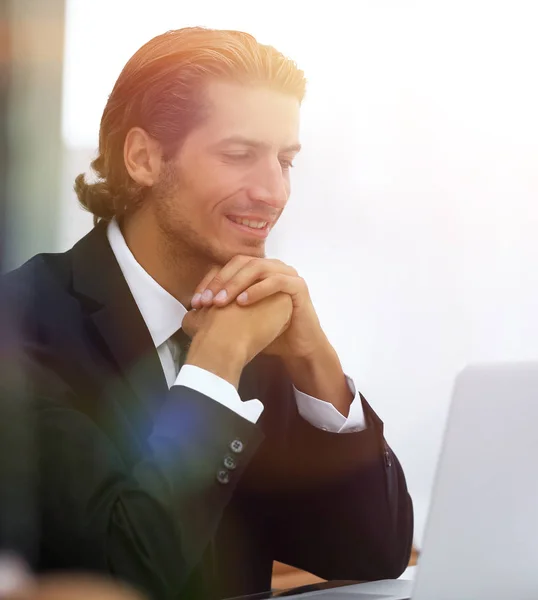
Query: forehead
(253, 112)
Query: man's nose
(269, 185)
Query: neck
(177, 272)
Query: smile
(249, 222)
(259, 229)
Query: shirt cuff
(324, 415)
(220, 390)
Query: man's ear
(142, 155)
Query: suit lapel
(98, 277)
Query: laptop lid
(481, 537)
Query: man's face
(232, 168)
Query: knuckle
(258, 270)
(265, 274)
(241, 259)
(283, 267)
(260, 264)
(289, 270)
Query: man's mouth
(252, 223)
(252, 227)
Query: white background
(414, 212)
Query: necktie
(180, 347)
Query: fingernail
(242, 297)
(195, 299)
(207, 296)
(221, 296)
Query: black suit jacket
(128, 471)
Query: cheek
(228, 179)
(224, 188)
(207, 207)
(211, 187)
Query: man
(186, 470)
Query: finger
(220, 279)
(196, 301)
(253, 272)
(289, 284)
(214, 284)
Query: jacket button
(223, 477)
(229, 462)
(237, 446)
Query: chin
(221, 252)
(256, 251)
(224, 258)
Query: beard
(182, 243)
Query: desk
(286, 577)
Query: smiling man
(193, 420)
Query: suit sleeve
(344, 512)
(147, 524)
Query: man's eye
(286, 164)
(237, 156)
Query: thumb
(193, 320)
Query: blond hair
(160, 89)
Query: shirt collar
(162, 313)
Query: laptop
(481, 537)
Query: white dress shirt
(163, 315)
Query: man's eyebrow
(292, 148)
(244, 141)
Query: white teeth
(248, 223)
